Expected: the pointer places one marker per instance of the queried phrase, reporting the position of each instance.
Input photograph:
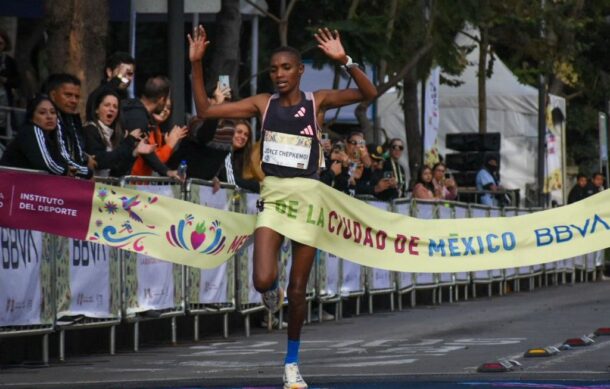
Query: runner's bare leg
(302, 261)
(267, 245)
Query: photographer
(336, 173)
(394, 173)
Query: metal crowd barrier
(444, 210)
(152, 289)
(10, 126)
(328, 270)
(424, 209)
(211, 291)
(88, 285)
(405, 281)
(58, 303)
(248, 299)
(27, 282)
(461, 211)
(379, 281)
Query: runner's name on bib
(286, 150)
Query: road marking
(372, 363)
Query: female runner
(290, 147)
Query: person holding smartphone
(445, 187)
(392, 165)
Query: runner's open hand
(197, 43)
(330, 44)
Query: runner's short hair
(288, 49)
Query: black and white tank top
(290, 146)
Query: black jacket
(37, 149)
(119, 160)
(71, 143)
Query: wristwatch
(349, 64)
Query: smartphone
(224, 80)
(325, 136)
(388, 175)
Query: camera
(388, 175)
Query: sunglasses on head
(398, 147)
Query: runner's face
(108, 110)
(45, 116)
(240, 136)
(285, 72)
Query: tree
(225, 59)
(77, 32)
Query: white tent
(512, 110)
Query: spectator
(396, 173)
(9, 80)
(597, 182)
(118, 75)
(64, 91)
(336, 173)
(208, 142)
(488, 180)
(359, 165)
(113, 149)
(239, 160)
(445, 187)
(36, 144)
(380, 181)
(166, 143)
(424, 189)
(137, 114)
(581, 190)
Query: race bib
(286, 150)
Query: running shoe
(273, 299)
(292, 377)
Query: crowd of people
(585, 187)
(131, 136)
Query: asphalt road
(424, 346)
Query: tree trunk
(411, 111)
(77, 40)
(226, 47)
(482, 79)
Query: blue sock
(292, 352)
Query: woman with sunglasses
(289, 117)
(394, 171)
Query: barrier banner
(144, 223)
(88, 289)
(303, 210)
(21, 296)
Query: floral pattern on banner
(118, 215)
(193, 273)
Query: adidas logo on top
(300, 113)
(307, 131)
